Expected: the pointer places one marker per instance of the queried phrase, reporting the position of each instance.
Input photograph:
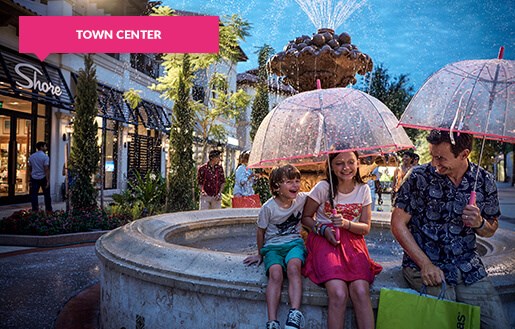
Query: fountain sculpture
(326, 56)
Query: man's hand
(431, 275)
(251, 260)
(471, 216)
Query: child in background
(280, 244)
(244, 177)
(344, 267)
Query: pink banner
(43, 35)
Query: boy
(281, 245)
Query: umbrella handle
(336, 229)
(472, 198)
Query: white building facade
(130, 139)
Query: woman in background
(244, 179)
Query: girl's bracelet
(316, 228)
(322, 229)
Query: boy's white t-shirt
(360, 195)
(282, 225)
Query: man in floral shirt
(437, 228)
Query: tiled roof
(249, 78)
(10, 11)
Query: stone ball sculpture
(327, 56)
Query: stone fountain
(185, 270)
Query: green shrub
(145, 196)
(26, 222)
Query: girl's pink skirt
(349, 261)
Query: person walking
(400, 172)
(375, 186)
(211, 182)
(437, 228)
(39, 168)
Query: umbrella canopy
(475, 96)
(303, 128)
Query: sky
(413, 37)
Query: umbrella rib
(382, 119)
(267, 130)
(504, 127)
(454, 95)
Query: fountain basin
(155, 274)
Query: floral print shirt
(436, 205)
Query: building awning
(111, 105)
(153, 116)
(33, 80)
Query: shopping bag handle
(423, 290)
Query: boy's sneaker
(295, 320)
(273, 325)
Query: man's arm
(200, 181)
(47, 174)
(394, 179)
(431, 274)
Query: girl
(244, 178)
(344, 267)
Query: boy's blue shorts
(282, 253)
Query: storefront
(33, 94)
(29, 90)
(144, 129)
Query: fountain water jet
(326, 56)
(323, 14)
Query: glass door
(15, 141)
(23, 139)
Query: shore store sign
(32, 81)
(118, 34)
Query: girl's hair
(280, 174)
(244, 157)
(334, 179)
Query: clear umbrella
(474, 96)
(304, 128)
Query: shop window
(198, 94)
(110, 160)
(110, 149)
(115, 56)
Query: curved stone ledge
(148, 274)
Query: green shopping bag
(408, 309)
